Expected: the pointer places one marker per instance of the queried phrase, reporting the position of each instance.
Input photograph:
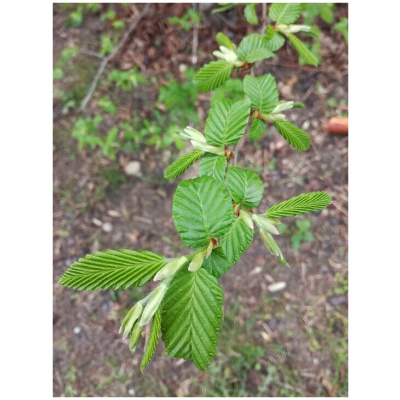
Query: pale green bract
(192, 317)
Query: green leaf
(213, 165)
(285, 13)
(227, 122)
(250, 13)
(234, 243)
(113, 269)
(301, 48)
(201, 210)
(179, 166)
(302, 204)
(262, 92)
(223, 40)
(225, 7)
(297, 104)
(343, 27)
(257, 128)
(245, 186)
(327, 14)
(153, 339)
(58, 73)
(212, 75)
(295, 136)
(192, 317)
(275, 40)
(254, 48)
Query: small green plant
(186, 22)
(215, 213)
(300, 233)
(322, 10)
(343, 27)
(127, 80)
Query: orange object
(338, 125)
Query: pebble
(77, 330)
(132, 168)
(131, 391)
(107, 227)
(276, 287)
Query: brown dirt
(298, 328)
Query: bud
(292, 28)
(228, 55)
(266, 223)
(272, 246)
(246, 218)
(197, 261)
(170, 268)
(192, 134)
(133, 315)
(272, 117)
(283, 106)
(135, 338)
(154, 302)
(207, 148)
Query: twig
(263, 17)
(243, 138)
(195, 40)
(105, 61)
(91, 53)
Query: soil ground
(287, 343)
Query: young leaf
(245, 186)
(223, 40)
(234, 243)
(212, 75)
(153, 339)
(224, 7)
(192, 317)
(180, 165)
(113, 269)
(262, 92)
(250, 13)
(213, 165)
(254, 48)
(301, 48)
(257, 128)
(201, 210)
(275, 40)
(285, 13)
(298, 104)
(295, 136)
(227, 122)
(302, 204)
